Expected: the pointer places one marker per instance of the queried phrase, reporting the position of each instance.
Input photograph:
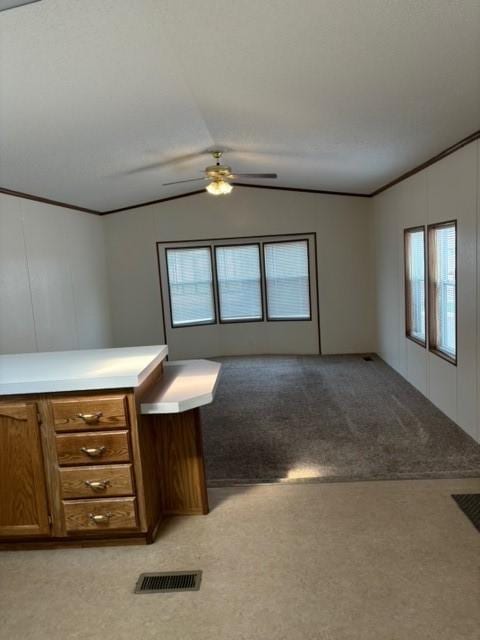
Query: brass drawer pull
(97, 485)
(93, 452)
(90, 418)
(100, 518)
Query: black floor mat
(469, 503)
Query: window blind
(239, 288)
(444, 288)
(190, 285)
(287, 280)
(415, 284)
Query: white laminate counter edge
(185, 385)
(82, 370)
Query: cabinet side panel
(180, 453)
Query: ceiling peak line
(427, 163)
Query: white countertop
(78, 370)
(185, 384)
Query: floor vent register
(168, 582)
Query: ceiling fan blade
(166, 162)
(271, 176)
(165, 184)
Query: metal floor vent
(469, 503)
(168, 582)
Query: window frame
(212, 284)
(432, 318)
(264, 271)
(239, 244)
(408, 334)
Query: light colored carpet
(348, 561)
(327, 418)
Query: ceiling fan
(219, 176)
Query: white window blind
(287, 280)
(190, 285)
(238, 277)
(415, 283)
(444, 283)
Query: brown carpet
(327, 418)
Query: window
(224, 281)
(239, 284)
(190, 286)
(442, 284)
(415, 284)
(287, 280)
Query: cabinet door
(23, 502)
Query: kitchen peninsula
(98, 446)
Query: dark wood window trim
(190, 324)
(269, 319)
(309, 236)
(408, 333)
(240, 320)
(432, 320)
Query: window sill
(289, 319)
(193, 324)
(421, 343)
(443, 356)
(240, 320)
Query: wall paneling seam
(27, 265)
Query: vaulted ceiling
(102, 101)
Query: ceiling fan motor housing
(218, 171)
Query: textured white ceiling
(341, 95)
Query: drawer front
(92, 448)
(97, 482)
(100, 515)
(88, 414)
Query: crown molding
(299, 190)
(439, 156)
(149, 202)
(436, 158)
(55, 203)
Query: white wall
(345, 262)
(444, 191)
(53, 284)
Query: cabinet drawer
(80, 414)
(92, 448)
(100, 515)
(97, 482)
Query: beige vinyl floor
(390, 560)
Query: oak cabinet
(98, 447)
(23, 496)
(100, 515)
(81, 468)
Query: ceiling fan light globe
(219, 188)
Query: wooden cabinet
(88, 468)
(23, 498)
(100, 515)
(96, 482)
(92, 448)
(89, 413)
